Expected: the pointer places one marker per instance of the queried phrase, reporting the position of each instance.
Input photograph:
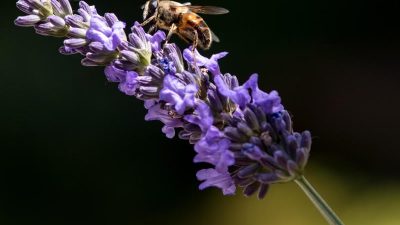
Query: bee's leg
(195, 43)
(148, 20)
(151, 17)
(171, 31)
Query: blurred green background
(74, 150)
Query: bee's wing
(211, 10)
(215, 38)
(145, 8)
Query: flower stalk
(318, 201)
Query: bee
(183, 20)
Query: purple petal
(110, 37)
(57, 21)
(238, 95)
(202, 117)
(212, 178)
(24, 7)
(27, 21)
(156, 40)
(155, 112)
(213, 148)
(210, 63)
(114, 74)
(66, 6)
(168, 131)
(178, 94)
(129, 85)
(270, 103)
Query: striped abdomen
(190, 24)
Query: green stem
(318, 201)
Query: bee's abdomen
(203, 31)
(204, 34)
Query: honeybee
(183, 20)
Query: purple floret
(101, 31)
(182, 96)
(213, 178)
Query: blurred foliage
(357, 201)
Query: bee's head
(149, 8)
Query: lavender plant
(243, 133)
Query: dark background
(74, 150)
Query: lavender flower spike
(37, 10)
(242, 133)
